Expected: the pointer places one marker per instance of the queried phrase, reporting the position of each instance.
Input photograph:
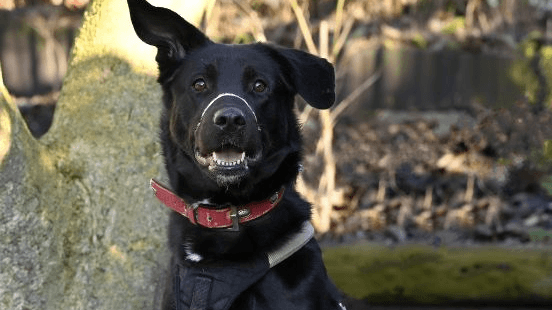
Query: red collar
(229, 217)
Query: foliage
(419, 41)
(458, 22)
(522, 72)
(547, 184)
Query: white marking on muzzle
(231, 95)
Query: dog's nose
(229, 119)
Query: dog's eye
(199, 85)
(259, 86)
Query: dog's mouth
(226, 158)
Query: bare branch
(303, 25)
(345, 103)
(259, 33)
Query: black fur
(192, 72)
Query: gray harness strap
(291, 246)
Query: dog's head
(229, 108)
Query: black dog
(241, 237)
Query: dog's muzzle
(227, 138)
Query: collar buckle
(195, 214)
(234, 215)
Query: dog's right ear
(171, 34)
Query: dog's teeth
(226, 160)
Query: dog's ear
(171, 34)
(312, 77)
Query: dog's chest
(215, 286)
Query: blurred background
(442, 135)
(443, 131)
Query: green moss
(103, 143)
(547, 183)
(419, 41)
(546, 66)
(522, 75)
(529, 45)
(540, 235)
(521, 72)
(504, 161)
(418, 274)
(5, 131)
(458, 22)
(547, 149)
(243, 38)
(76, 203)
(453, 45)
(391, 44)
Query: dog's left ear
(173, 36)
(313, 77)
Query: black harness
(216, 286)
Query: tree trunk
(79, 226)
